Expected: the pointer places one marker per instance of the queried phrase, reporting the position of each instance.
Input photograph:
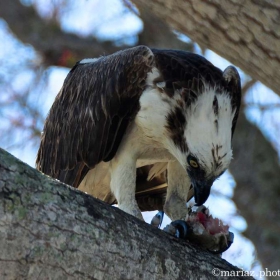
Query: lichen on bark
(49, 230)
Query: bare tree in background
(244, 32)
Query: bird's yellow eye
(193, 163)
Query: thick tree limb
(157, 34)
(246, 33)
(52, 231)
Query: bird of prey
(139, 117)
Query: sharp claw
(229, 242)
(230, 238)
(157, 219)
(181, 228)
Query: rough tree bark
(245, 32)
(52, 231)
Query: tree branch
(55, 46)
(256, 171)
(51, 231)
(157, 34)
(246, 33)
(61, 48)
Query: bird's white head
(208, 130)
(208, 136)
(203, 134)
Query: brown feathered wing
(90, 114)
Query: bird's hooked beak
(201, 191)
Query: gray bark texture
(49, 230)
(246, 32)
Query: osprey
(142, 113)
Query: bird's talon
(229, 242)
(181, 228)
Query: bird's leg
(123, 184)
(177, 192)
(157, 219)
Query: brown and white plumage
(134, 110)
